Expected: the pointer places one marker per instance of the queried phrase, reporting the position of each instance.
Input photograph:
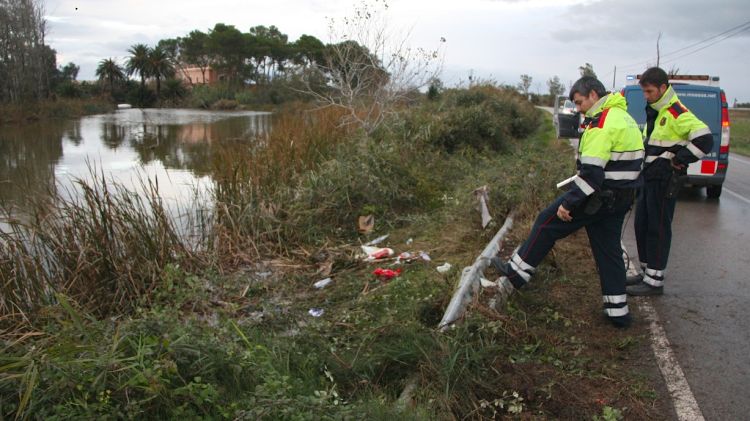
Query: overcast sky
(489, 39)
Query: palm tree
(108, 69)
(159, 65)
(138, 62)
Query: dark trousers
(653, 229)
(604, 229)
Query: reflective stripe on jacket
(672, 132)
(610, 152)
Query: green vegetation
(109, 312)
(739, 131)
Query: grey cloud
(688, 20)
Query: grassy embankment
(52, 109)
(124, 318)
(740, 131)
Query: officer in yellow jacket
(674, 137)
(609, 160)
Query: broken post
(470, 278)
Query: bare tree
(369, 69)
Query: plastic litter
(408, 257)
(322, 283)
(444, 268)
(409, 241)
(386, 274)
(316, 312)
(377, 240)
(375, 253)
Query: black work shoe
(621, 322)
(644, 289)
(634, 279)
(502, 267)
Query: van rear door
(704, 102)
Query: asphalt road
(706, 293)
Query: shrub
(483, 117)
(225, 104)
(204, 96)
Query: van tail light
(724, 124)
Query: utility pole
(614, 79)
(657, 49)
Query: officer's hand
(564, 214)
(678, 167)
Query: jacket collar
(665, 99)
(597, 107)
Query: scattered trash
(316, 312)
(322, 283)
(375, 253)
(409, 241)
(405, 257)
(408, 257)
(483, 198)
(444, 268)
(263, 275)
(386, 274)
(377, 240)
(366, 224)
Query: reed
(103, 246)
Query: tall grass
(103, 246)
(740, 132)
(257, 182)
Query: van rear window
(706, 105)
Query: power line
(726, 34)
(671, 60)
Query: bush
(225, 104)
(141, 97)
(483, 117)
(204, 96)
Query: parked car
(701, 95)
(566, 118)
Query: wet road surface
(705, 309)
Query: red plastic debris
(386, 273)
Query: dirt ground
(585, 365)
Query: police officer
(674, 137)
(609, 160)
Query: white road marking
(735, 158)
(737, 195)
(683, 400)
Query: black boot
(502, 267)
(644, 289)
(634, 279)
(621, 322)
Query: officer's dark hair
(654, 76)
(585, 85)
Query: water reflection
(174, 147)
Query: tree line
(28, 67)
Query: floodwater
(170, 146)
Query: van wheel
(713, 192)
